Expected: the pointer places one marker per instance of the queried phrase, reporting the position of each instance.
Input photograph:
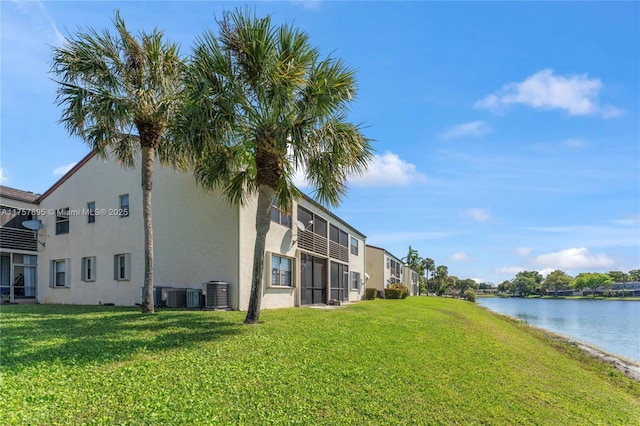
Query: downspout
(364, 268)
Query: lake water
(611, 325)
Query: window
(62, 221)
(59, 273)
(395, 269)
(122, 267)
(124, 205)
(24, 273)
(355, 280)
(280, 216)
(91, 212)
(88, 269)
(320, 226)
(354, 246)
(306, 217)
(337, 235)
(281, 271)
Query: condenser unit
(193, 298)
(216, 294)
(176, 297)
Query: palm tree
(429, 265)
(414, 261)
(260, 105)
(441, 275)
(119, 94)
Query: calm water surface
(611, 325)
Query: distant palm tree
(261, 105)
(441, 275)
(119, 95)
(429, 266)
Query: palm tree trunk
(263, 222)
(148, 155)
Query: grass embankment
(628, 298)
(414, 361)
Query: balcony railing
(338, 251)
(17, 239)
(312, 242)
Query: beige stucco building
(412, 281)
(94, 253)
(383, 268)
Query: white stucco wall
(198, 237)
(195, 234)
(278, 242)
(18, 204)
(103, 182)
(281, 240)
(358, 264)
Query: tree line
(435, 279)
(532, 282)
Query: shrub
(404, 290)
(392, 293)
(470, 295)
(370, 293)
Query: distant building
(383, 268)
(18, 246)
(630, 289)
(412, 281)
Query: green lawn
(422, 360)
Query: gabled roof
(18, 194)
(330, 213)
(67, 175)
(386, 251)
(36, 198)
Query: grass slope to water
(414, 361)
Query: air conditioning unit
(159, 298)
(216, 295)
(193, 298)
(176, 297)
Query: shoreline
(598, 298)
(628, 367)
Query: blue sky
(507, 134)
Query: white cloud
(478, 215)
(383, 170)
(389, 169)
(630, 220)
(474, 128)
(575, 94)
(461, 257)
(574, 143)
(307, 4)
(61, 170)
(510, 270)
(573, 258)
(3, 176)
(523, 251)
(546, 271)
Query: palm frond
(263, 91)
(113, 88)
